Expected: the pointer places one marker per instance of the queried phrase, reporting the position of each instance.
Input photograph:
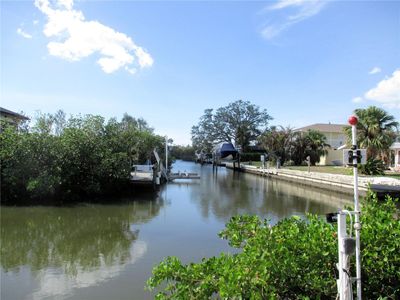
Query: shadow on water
(134, 193)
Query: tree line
(82, 156)
(74, 158)
(245, 124)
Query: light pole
(347, 244)
(357, 226)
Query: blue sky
(167, 61)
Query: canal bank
(334, 182)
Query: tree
(278, 141)
(130, 122)
(316, 145)
(183, 152)
(296, 146)
(299, 147)
(376, 131)
(312, 143)
(239, 122)
(203, 133)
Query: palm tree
(312, 143)
(298, 149)
(316, 145)
(376, 131)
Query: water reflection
(72, 247)
(53, 282)
(224, 193)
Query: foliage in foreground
(294, 259)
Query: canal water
(107, 251)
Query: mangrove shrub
(295, 259)
(83, 156)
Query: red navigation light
(353, 120)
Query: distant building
(396, 148)
(335, 137)
(11, 117)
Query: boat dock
(142, 174)
(157, 174)
(145, 174)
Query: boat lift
(157, 174)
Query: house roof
(7, 112)
(395, 145)
(336, 128)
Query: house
(335, 137)
(11, 117)
(396, 149)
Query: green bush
(373, 167)
(295, 259)
(380, 244)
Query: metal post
(166, 152)
(357, 225)
(344, 282)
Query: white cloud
(375, 70)
(287, 3)
(387, 91)
(75, 38)
(272, 31)
(357, 100)
(133, 71)
(304, 9)
(24, 34)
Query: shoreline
(335, 182)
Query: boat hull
(226, 151)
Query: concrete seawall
(337, 182)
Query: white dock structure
(183, 175)
(157, 173)
(142, 174)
